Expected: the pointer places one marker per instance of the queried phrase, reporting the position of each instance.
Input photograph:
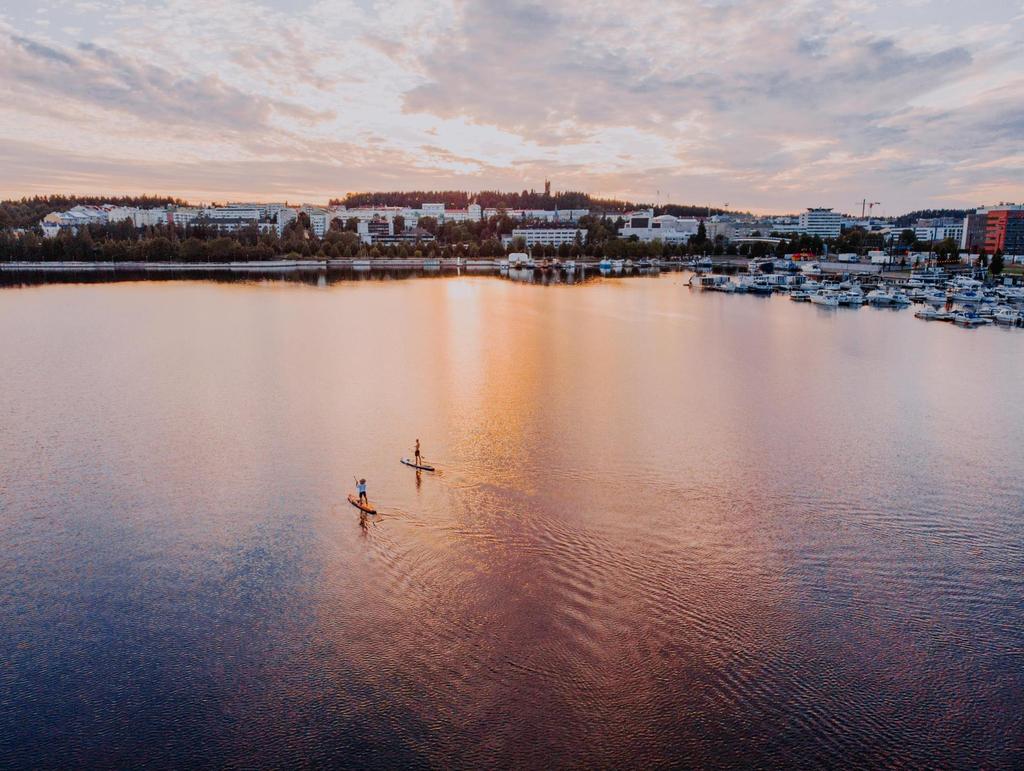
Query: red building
(1002, 228)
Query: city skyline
(768, 108)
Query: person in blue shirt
(361, 489)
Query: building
(1003, 227)
(823, 223)
(935, 230)
(183, 217)
(376, 230)
(973, 238)
(224, 223)
(71, 220)
(644, 226)
(547, 235)
(320, 219)
(140, 218)
(994, 228)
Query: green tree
(996, 266)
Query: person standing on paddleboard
(418, 461)
(361, 489)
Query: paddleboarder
(361, 489)
(419, 462)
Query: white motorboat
(1004, 314)
(935, 297)
(852, 296)
(825, 297)
(800, 296)
(852, 299)
(968, 296)
(879, 297)
(1011, 293)
(934, 314)
(969, 319)
(963, 282)
(917, 294)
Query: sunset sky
(769, 106)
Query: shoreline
(285, 266)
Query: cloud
(765, 104)
(103, 78)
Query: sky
(761, 105)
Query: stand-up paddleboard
(354, 500)
(420, 466)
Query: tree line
(27, 212)
(526, 199)
(122, 241)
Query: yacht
(1004, 314)
(825, 297)
(811, 269)
(879, 296)
(711, 281)
(917, 294)
(888, 296)
(758, 286)
(963, 282)
(854, 298)
(933, 314)
(800, 296)
(935, 297)
(1011, 293)
(964, 295)
(969, 319)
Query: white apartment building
(823, 223)
(232, 212)
(939, 232)
(646, 227)
(549, 236)
(140, 218)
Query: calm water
(670, 528)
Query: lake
(668, 528)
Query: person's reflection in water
(419, 478)
(363, 521)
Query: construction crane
(867, 206)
